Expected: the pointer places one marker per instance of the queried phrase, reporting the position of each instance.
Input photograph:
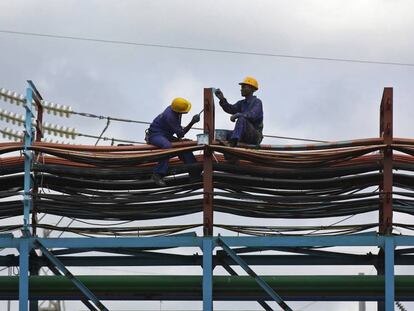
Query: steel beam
(172, 242)
(85, 291)
(389, 274)
(261, 302)
(39, 134)
(386, 133)
(258, 279)
(162, 260)
(24, 249)
(28, 157)
(208, 247)
(208, 163)
(102, 243)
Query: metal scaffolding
(266, 182)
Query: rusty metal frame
(208, 163)
(386, 133)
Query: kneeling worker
(247, 113)
(161, 134)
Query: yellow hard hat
(250, 81)
(180, 105)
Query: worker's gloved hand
(219, 94)
(195, 119)
(234, 117)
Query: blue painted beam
(389, 274)
(208, 247)
(269, 290)
(24, 274)
(85, 291)
(28, 156)
(162, 259)
(403, 240)
(292, 241)
(143, 242)
(9, 242)
(170, 242)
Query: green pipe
(243, 286)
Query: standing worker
(247, 113)
(161, 134)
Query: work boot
(158, 179)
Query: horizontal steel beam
(257, 242)
(196, 260)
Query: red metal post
(39, 122)
(208, 163)
(386, 133)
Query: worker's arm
(231, 109)
(194, 120)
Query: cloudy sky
(318, 99)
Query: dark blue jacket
(167, 124)
(250, 108)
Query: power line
(13, 97)
(189, 48)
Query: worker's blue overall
(161, 134)
(249, 124)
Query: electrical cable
(67, 111)
(339, 180)
(103, 131)
(187, 48)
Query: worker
(161, 134)
(247, 113)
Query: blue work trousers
(162, 167)
(245, 132)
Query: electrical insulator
(49, 107)
(58, 130)
(54, 108)
(11, 117)
(21, 99)
(12, 134)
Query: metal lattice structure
(265, 182)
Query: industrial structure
(112, 183)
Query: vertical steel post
(24, 274)
(386, 133)
(39, 135)
(27, 205)
(34, 269)
(208, 163)
(28, 156)
(389, 274)
(386, 184)
(208, 274)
